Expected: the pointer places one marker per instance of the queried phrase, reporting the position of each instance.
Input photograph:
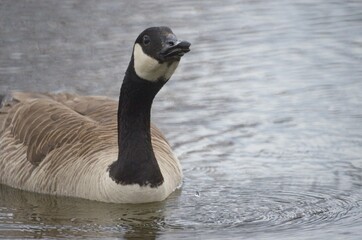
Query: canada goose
(65, 144)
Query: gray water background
(265, 114)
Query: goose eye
(146, 40)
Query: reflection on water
(264, 113)
(25, 214)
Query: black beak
(174, 49)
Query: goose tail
(5, 103)
(3, 98)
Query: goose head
(156, 54)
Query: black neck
(136, 162)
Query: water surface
(265, 114)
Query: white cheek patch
(149, 68)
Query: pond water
(265, 114)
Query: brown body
(63, 144)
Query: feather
(62, 144)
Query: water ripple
(264, 114)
